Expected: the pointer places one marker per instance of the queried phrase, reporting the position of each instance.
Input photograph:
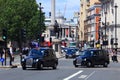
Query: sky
(65, 7)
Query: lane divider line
(83, 76)
(89, 75)
(73, 75)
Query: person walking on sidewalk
(1, 55)
(10, 54)
(114, 56)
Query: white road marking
(83, 76)
(73, 75)
(89, 75)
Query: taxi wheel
(66, 56)
(89, 64)
(105, 64)
(39, 66)
(55, 66)
(75, 64)
(23, 67)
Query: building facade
(92, 23)
(67, 28)
(84, 6)
(110, 22)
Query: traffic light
(40, 38)
(112, 41)
(23, 34)
(4, 34)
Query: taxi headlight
(74, 59)
(84, 59)
(37, 60)
(77, 53)
(23, 60)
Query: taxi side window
(46, 53)
(95, 53)
(52, 53)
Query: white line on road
(73, 75)
(90, 75)
(83, 76)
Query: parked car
(71, 52)
(92, 57)
(43, 57)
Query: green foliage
(18, 14)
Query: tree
(18, 14)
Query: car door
(52, 57)
(104, 56)
(49, 58)
(46, 58)
(101, 56)
(95, 56)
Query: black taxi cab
(39, 58)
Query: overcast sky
(66, 7)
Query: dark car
(92, 57)
(43, 57)
(71, 52)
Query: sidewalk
(118, 57)
(59, 55)
(16, 62)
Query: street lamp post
(105, 25)
(40, 8)
(105, 42)
(116, 28)
(99, 33)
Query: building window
(87, 0)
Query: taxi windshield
(35, 52)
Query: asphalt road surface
(65, 71)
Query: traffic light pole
(5, 50)
(4, 37)
(116, 28)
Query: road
(65, 71)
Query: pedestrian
(1, 55)
(10, 54)
(25, 50)
(114, 56)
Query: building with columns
(110, 21)
(67, 28)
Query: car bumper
(33, 65)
